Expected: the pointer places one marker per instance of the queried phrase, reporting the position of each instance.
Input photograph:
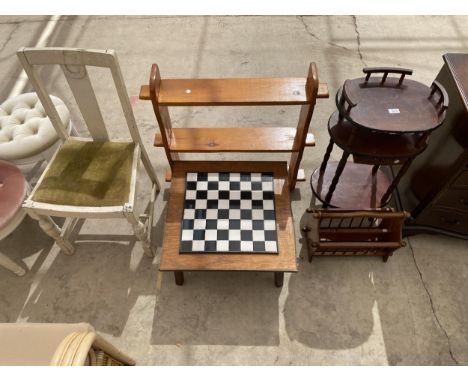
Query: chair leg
(140, 232)
(9, 264)
(53, 230)
(385, 258)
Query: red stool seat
(12, 192)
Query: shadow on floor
(217, 308)
(325, 309)
(60, 37)
(95, 285)
(339, 303)
(35, 247)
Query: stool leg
(9, 264)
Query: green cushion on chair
(94, 174)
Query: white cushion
(25, 129)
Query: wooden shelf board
(233, 92)
(233, 139)
(285, 261)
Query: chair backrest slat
(43, 96)
(80, 85)
(68, 56)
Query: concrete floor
(336, 311)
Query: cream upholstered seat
(26, 132)
(37, 344)
(13, 190)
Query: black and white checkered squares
(229, 213)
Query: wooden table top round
(391, 107)
(357, 188)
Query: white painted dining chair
(92, 177)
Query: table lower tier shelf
(357, 188)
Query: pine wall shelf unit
(235, 92)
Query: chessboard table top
(172, 260)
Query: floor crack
(275, 362)
(432, 304)
(358, 40)
(10, 35)
(310, 33)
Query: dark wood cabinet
(435, 188)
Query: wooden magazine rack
(338, 232)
